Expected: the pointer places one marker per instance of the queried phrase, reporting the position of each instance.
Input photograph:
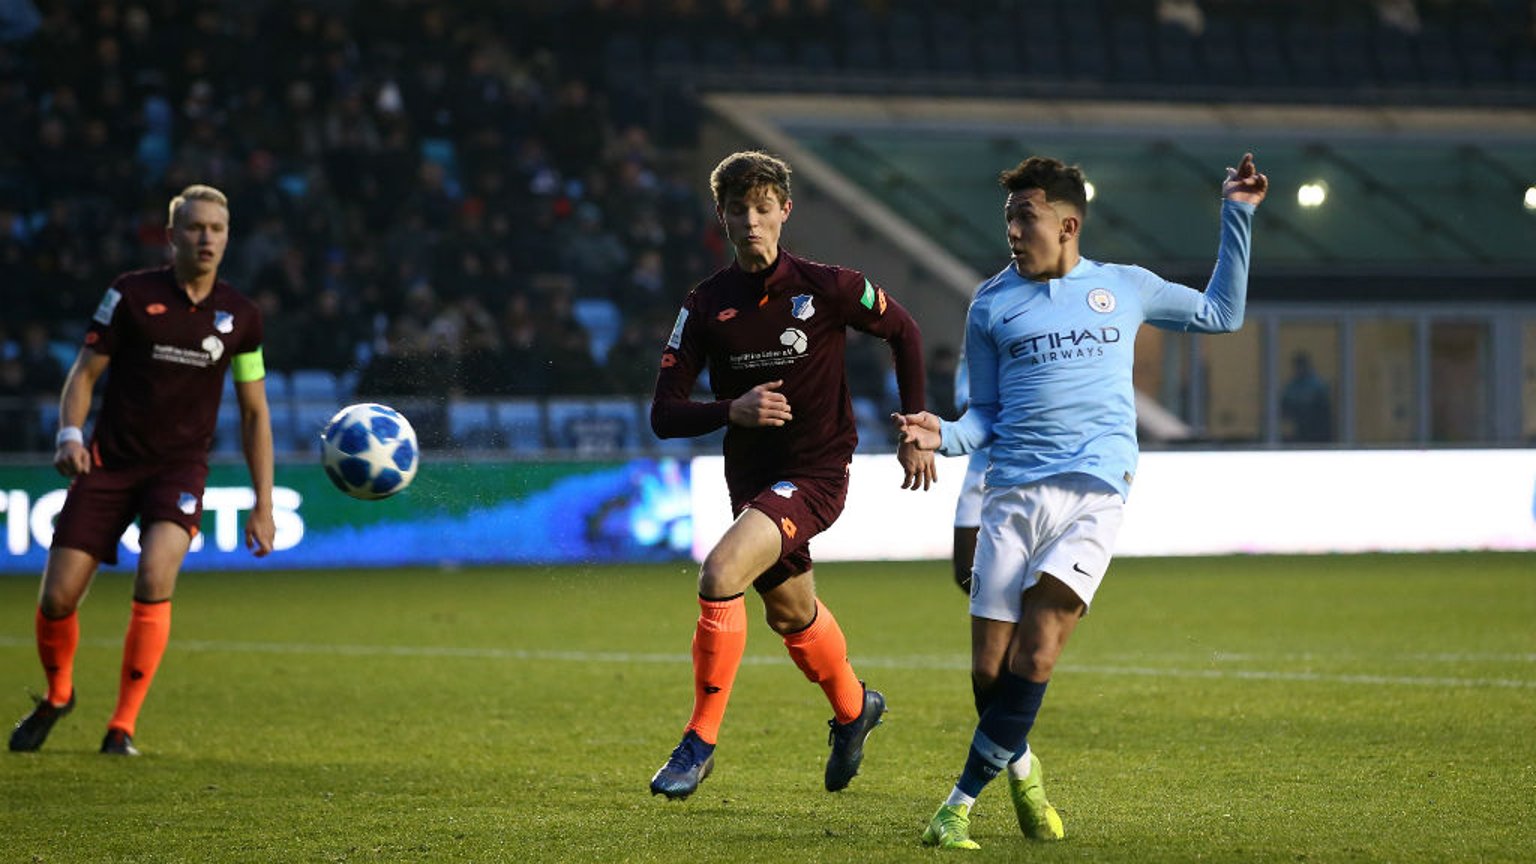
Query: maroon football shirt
(169, 358)
(788, 322)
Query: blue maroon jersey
(788, 322)
(169, 358)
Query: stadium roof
(1407, 192)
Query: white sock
(958, 797)
(1018, 769)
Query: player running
(1049, 344)
(771, 329)
(168, 334)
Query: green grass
(1373, 708)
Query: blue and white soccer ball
(369, 451)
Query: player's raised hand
(918, 467)
(1245, 183)
(72, 459)
(920, 430)
(761, 406)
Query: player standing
(1049, 344)
(772, 329)
(168, 334)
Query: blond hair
(196, 192)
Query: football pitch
(1329, 709)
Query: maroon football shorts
(102, 504)
(802, 507)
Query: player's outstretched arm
(1245, 183)
(921, 430)
(763, 405)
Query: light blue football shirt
(1050, 362)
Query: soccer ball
(369, 451)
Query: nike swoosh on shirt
(1078, 568)
(1007, 318)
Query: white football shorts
(968, 506)
(1064, 526)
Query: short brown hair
(1058, 180)
(196, 192)
(740, 173)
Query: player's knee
(983, 680)
(57, 604)
(717, 578)
(1034, 664)
(785, 621)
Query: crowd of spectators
(427, 196)
(421, 193)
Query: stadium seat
(624, 60)
(306, 421)
(907, 44)
(1439, 57)
(817, 56)
(1219, 51)
(312, 385)
(1267, 66)
(953, 44)
(277, 386)
(1350, 55)
(1133, 50)
(520, 424)
(1308, 49)
(867, 417)
(226, 429)
(602, 321)
(472, 425)
(672, 54)
(593, 426)
(1178, 58)
(1394, 53)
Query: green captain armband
(248, 366)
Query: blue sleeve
(962, 382)
(1220, 308)
(973, 430)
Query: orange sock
(821, 652)
(719, 640)
(149, 629)
(57, 639)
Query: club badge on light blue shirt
(223, 321)
(801, 307)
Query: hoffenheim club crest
(801, 307)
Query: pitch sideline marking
(912, 661)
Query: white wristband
(68, 433)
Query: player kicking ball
(1049, 349)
